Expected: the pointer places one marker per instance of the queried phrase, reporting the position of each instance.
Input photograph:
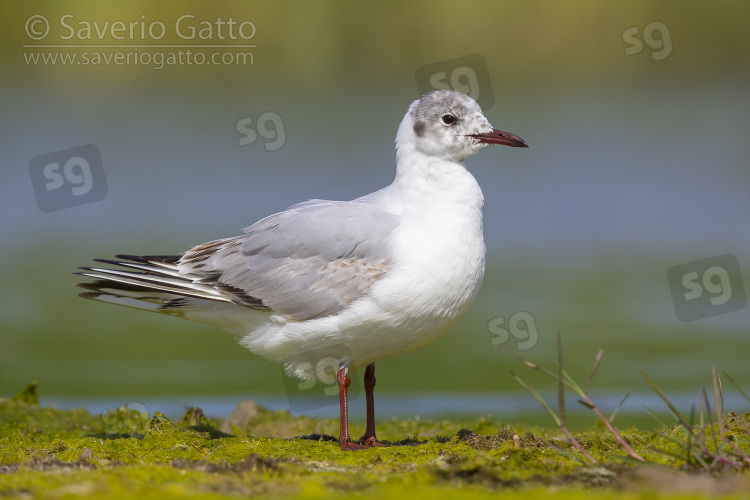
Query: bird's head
(449, 125)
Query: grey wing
(310, 261)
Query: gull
(355, 281)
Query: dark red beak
(500, 137)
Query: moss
(122, 454)
(28, 395)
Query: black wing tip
(87, 286)
(145, 259)
(166, 258)
(107, 287)
(133, 258)
(125, 259)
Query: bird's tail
(150, 283)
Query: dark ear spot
(419, 128)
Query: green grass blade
(537, 396)
(567, 454)
(656, 416)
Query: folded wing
(309, 261)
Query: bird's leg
(369, 438)
(344, 440)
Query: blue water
(499, 406)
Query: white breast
(438, 258)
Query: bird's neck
(427, 183)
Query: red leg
(369, 438)
(344, 440)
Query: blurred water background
(637, 163)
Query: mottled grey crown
(443, 122)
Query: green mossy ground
(51, 453)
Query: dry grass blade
(611, 428)
(586, 404)
(702, 423)
(577, 445)
(557, 420)
(674, 410)
(622, 402)
(563, 378)
(719, 406)
(710, 419)
(560, 385)
(694, 445)
(707, 404)
(736, 386)
(739, 453)
(597, 360)
(534, 366)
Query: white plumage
(358, 280)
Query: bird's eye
(448, 120)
